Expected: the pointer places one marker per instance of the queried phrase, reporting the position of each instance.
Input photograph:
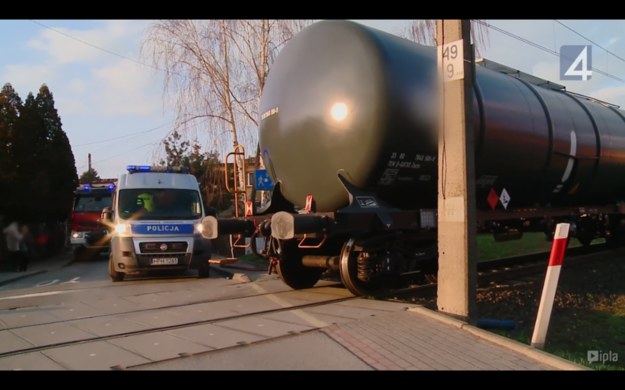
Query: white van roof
(157, 180)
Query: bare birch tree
(215, 71)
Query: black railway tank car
(349, 117)
(544, 146)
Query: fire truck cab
(156, 221)
(88, 236)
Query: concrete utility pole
(456, 171)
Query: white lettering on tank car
(388, 177)
(569, 165)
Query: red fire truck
(88, 237)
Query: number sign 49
(451, 57)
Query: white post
(551, 284)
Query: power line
(118, 154)
(127, 151)
(589, 40)
(541, 47)
(96, 47)
(130, 135)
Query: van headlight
(199, 228)
(122, 228)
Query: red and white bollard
(551, 284)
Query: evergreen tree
(30, 187)
(10, 107)
(89, 176)
(57, 159)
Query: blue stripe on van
(162, 228)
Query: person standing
(13, 239)
(27, 248)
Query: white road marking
(47, 283)
(75, 280)
(43, 294)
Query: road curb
(533, 353)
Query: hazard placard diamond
(492, 198)
(504, 198)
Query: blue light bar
(148, 168)
(111, 187)
(138, 168)
(86, 187)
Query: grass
(590, 330)
(583, 331)
(532, 242)
(251, 258)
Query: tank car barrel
(349, 118)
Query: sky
(111, 103)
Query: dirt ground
(588, 313)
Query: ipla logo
(602, 357)
(575, 62)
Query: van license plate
(164, 261)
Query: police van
(156, 223)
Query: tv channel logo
(601, 356)
(576, 62)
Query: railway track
(508, 268)
(282, 302)
(520, 266)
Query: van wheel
(115, 276)
(204, 270)
(118, 276)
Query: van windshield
(91, 204)
(159, 203)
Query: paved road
(73, 317)
(98, 324)
(78, 272)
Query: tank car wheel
(292, 271)
(349, 272)
(115, 276)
